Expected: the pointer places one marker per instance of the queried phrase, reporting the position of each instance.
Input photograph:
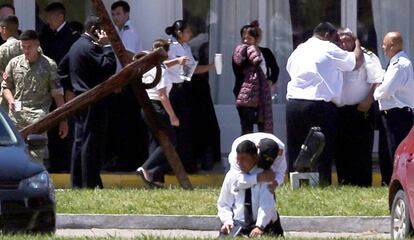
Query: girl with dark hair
(153, 170)
(180, 75)
(256, 70)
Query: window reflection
(365, 25)
(306, 14)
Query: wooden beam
(130, 72)
(142, 97)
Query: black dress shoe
(140, 173)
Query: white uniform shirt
(263, 64)
(358, 83)
(279, 165)
(178, 50)
(397, 89)
(315, 68)
(153, 93)
(230, 203)
(130, 40)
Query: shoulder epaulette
(366, 51)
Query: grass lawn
(340, 201)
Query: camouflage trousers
(24, 118)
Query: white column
(150, 18)
(25, 11)
(349, 14)
(263, 21)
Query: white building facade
(285, 23)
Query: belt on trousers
(178, 84)
(389, 111)
(307, 100)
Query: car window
(7, 137)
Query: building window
(196, 12)
(365, 25)
(306, 14)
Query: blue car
(27, 197)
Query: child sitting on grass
(250, 211)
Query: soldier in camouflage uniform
(9, 26)
(31, 78)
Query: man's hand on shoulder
(266, 176)
(272, 187)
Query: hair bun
(254, 23)
(169, 30)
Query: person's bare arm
(7, 94)
(359, 55)
(63, 125)
(203, 68)
(365, 104)
(179, 60)
(165, 101)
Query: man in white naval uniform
(315, 68)
(395, 94)
(356, 117)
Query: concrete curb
(352, 224)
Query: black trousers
(249, 117)
(157, 163)
(385, 161)
(205, 127)
(397, 123)
(301, 115)
(179, 97)
(88, 150)
(354, 146)
(60, 150)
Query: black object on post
(310, 151)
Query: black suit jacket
(89, 64)
(271, 64)
(56, 44)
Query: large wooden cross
(130, 74)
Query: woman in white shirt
(180, 76)
(154, 168)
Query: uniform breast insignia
(396, 61)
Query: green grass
(333, 201)
(341, 201)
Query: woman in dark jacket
(256, 70)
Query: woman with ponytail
(256, 70)
(181, 33)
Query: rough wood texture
(98, 92)
(142, 97)
(130, 72)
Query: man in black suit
(56, 40)
(91, 61)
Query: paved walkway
(336, 224)
(133, 233)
